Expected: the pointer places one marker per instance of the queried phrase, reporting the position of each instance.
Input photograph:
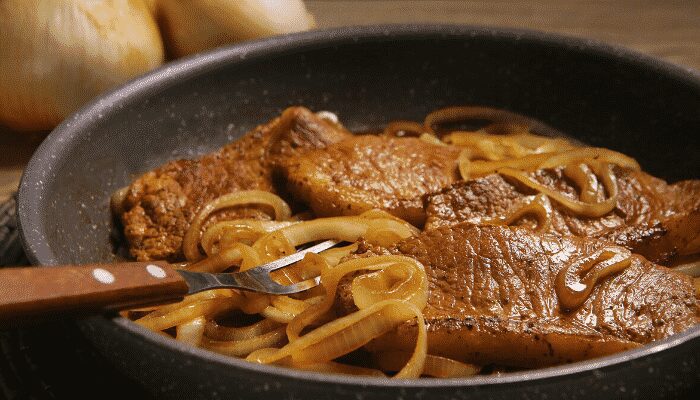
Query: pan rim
(32, 187)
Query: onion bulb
(192, 26)
(55, 55)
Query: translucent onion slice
(191, 332)
(181, 315)
(334, 255)
(393, 282)
(530, 162)
(348, 229)
(192, 236)
(238, 254)
(584, 154)
(228, 233)
(464, 164)
(214, 331)
(207, 295)
(539, 206)
(351, 332)
(308, 268)
(290, 305)
(526, 141)
(243, 347)
(376, 213)
(534, 162)
(575, 282)
(435, 366)
(585, 179)
(486, 146)
(593, 210)
(277, 315)
(255, 303)
(432, 139)
(330, 278)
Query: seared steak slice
(367, 172)
(651, 218)
(160, 205)
(492, 299)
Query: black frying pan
(599, 94)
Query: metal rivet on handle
(155, 271)
(103, 276)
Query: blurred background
(666, 29)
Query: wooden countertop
(666, 29)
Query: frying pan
(599, 94)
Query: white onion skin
(190, 26)
(56, 55)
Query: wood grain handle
(33, 292)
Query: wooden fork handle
(33, 292)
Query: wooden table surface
(666, 29)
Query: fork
(31, 293)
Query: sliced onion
(573, 289)
(585, 179)
(331, 277)
(432, 139)
(348, 229)
(277, 315)
(191, 332)
(191, 240)
(206, 308)
(435, 366)
(593, 210)
(585, 154)
(243, 347)
(215, 331)
(241, 230)
(540, 207)
(348, 333)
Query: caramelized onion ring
(243, 347)
(239, 230)
(539, 206)
(573, 287)
(214, 331)
(435, 366)
(348, 333)
(592, 210)
(348, 229)
(191, 240)
(191, 332)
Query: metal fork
(28, 293)
(256, 279)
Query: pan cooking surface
(602, 95)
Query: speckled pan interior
(597, 93)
